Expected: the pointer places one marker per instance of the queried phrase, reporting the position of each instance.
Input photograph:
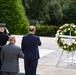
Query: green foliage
(36, 9)
(13, 14)
(62, 11)
(51, 12)
(70, 13)
(45, 30)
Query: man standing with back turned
(10, 57)
(30, 49)
(3, 40)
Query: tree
(56, 8)
(36, 9)
(70, 13)
(13, 14)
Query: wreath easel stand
(72, 63)
(70, 38)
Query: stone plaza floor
(49, 56)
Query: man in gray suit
(10, 57)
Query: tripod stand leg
(59, 59)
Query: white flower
(56, 35)
(74, 42)
(64, 46)
(75, 31)
(60, 33)
(68, 28)
(65, 30)
(74, 26)
(61, 27)
(63, 42)
(66, 24)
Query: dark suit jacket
(30, 45)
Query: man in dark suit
(3, 40)
(30, 49)
(10, 57)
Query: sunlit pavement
(49, 55)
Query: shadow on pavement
(24, 74)
(21, 74)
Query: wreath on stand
(65, 31)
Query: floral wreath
(65, 30)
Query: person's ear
(14, 41)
